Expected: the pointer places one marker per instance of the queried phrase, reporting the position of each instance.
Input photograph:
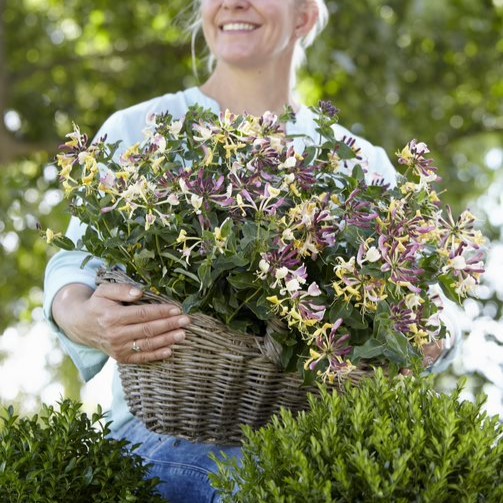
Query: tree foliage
(398, 69)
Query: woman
(256, 46)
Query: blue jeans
(182, 466)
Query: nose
(235, 4)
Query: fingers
(145, 313)
(120, 292)
(153, 340)
(122, 327)
(152, 349)
(171, 328)
(149, 340)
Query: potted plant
(226, 215)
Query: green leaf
(356, 321)
(227, 262)
(221, 305)
(358, 172)
(446, 283)
(190, 275)
(397, 348)
(204, 272)
(242, 281)
(86, 261)
(371, 349)
(340, 309)
(191, 303)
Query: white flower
(205, 133)
(290, 178)
(373, 254)
(292, 285)
(422, 148)
(281, 273)
(160, 142)
(183, 186)
(175, 127)
(182, 237)
(458, 262)
(82, 157)
(196, 201)
(290, 162)
(149, 221)
(413, 300)
(313, 290)
(276, 143)
(287, 235)
(467, 286)
(264, 266)
(173, 200)
(271, 191)
(150, 120)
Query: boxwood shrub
(64, 455)
(389, 440)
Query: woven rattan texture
(217, 380)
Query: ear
(306, 18)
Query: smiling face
(250, 33)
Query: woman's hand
(128, 333)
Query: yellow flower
(419, 336)
(182, 237)
(50, 235)
(130, 152)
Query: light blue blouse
(127, 126)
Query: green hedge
(63, 455)
(386, 441)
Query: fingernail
(135, 292)
(183, 321)
(179, 337)
(167, 353)
(174, 311)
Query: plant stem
(233, 315)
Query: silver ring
(135, 347)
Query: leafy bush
(62, 455)
(389, 440)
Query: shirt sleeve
(65, 268)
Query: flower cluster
(228, 215)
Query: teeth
(238, 27)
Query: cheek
(207, 15)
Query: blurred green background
(397, 69)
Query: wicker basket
(217, 380)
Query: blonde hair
(299, 55)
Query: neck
(253, 91)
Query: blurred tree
(398, 69)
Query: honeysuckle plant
(233, 217)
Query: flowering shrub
(229, 216)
